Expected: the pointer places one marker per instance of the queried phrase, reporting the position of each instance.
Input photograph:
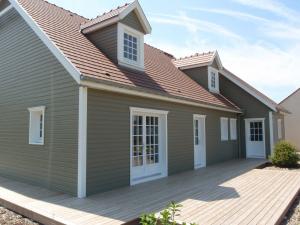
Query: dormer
(120, 34)
(204, 68)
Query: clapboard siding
(200, 75)
(132, 21)
(252, 108)
(3, 4)
(31, 76)
(106, 40)
(108, 138)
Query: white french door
(255, 138)
(199, 141)
(148, 152)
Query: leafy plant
(148, 219)
(166, 216)
(285, 155)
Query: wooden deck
(229, 193)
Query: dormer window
(213, 80)
(130, 47)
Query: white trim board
(271, 127)
(82, 142)
(5, 10)
(105, 87)
(73, 71)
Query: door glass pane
(256, 131)
(137, 140)
(196, 132)
(152, 140)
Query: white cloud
(270, 28)
(272, 6)
(193, 25)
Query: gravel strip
(8, 217)
(293, 215)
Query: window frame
(224, 136)
(216, 72)
(32, 124)
(139, 64)
(279, 128)
(233, 130)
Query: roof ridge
(196, 54)
(105, 13)
(118, 7)
(69, 11)
(161, 51)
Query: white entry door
(255, 138)
(199, 142)
(148, 151)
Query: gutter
(142, 92)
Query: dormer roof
(116, 15)
(198, 60)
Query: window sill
(36, 143)
(135, 66)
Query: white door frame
(247, 121)
(163, 117)
(198, 116)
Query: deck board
(230, 193)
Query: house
(292, 120)
(87, 107)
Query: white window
(130, 50)
(36, 125)
(213, 80)
(279, 127)
(130, 47)
(233, 129)
(224, 129)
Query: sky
(258, 40)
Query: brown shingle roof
(161, 76)
(105, 16)
(197, 59)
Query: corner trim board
(271, 132)
(47, 41)
(82, 142)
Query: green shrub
(166, 217)
(285, 155)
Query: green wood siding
(252, 108)
(31, 76)
(200, 75)
(106, 39)
(132, 21)
(108, 138)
